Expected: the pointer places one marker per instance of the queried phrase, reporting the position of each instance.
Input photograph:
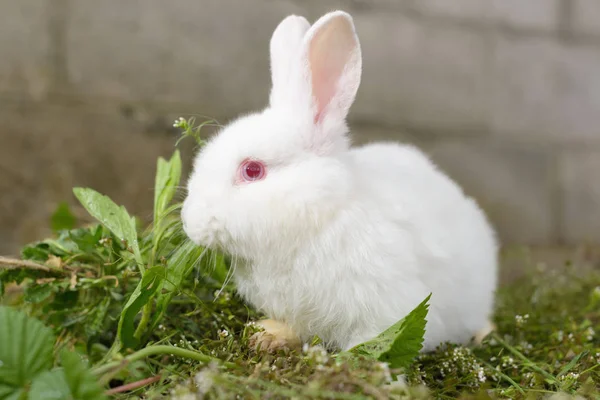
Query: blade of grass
(504, 376)
(527, 362)
(571, 364)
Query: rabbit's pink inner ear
(330, 50)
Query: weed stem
(159, 349)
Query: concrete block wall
(503, 94)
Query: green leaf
(220, 266)
(25, 350)
(50, 385)
(62, 219)
(150, 283)
(571, 364)
(168, 175)
(9, 393)
(19, 275)
(73, 381)
(86, 239)
(115, 218)
(181, 263)
(400, 343)
(179, 266)
(35, 293)
(82, 384)
(35, 252)
(95, 323)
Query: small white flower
(317, 354)
(481, 375)
(507, 361)
(590, 334)
(571, 376)
(521, 319)
(223, 333)
(179, 122)
(526, 346)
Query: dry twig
(13, 263)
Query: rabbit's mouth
(208, 234)
(213, 240)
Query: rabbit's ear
(331, 51)
(285, 46)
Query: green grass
(150, 317)
(546, 342)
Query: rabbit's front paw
(276, 336)
(483, 333)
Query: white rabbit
(333, 241)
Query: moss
(546, 343)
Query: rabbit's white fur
(338, 242)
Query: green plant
(118, 310)
(26, 363)
(82, 278)
(399, 344)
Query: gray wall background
(503, 94)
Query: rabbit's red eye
(252, 170)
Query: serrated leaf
(25, 351)
(18, 276)
(50, 385)
(400, 343)
(40, 251)
(115, 218)
(35, 252)
(9, 393)
(73, 381)
(62, 219)
(82, 384)
(150, 283)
